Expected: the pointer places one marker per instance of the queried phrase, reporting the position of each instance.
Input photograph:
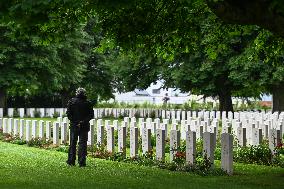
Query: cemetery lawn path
(26, 167)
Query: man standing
(79, 112)
(166, 99)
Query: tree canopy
(195, 45)
(58, 15)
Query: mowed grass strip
(26, 167)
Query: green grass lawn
(26, 167)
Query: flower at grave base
(280, 145)
(180, 155)
(280, 148)
(97, 154)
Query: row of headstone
(160, 133)
(31, 129)
(164, 114)
(157, 113)
(245, 135)
(30, 112)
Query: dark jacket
(79, 110)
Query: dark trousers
(82, 151)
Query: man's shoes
(70, 164)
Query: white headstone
(5, 125)
(110, 139)
(174, 126)
(59, 120)
(168, 116)
(22, 128)
(174, 143)
(241, 136)
(16, 126)
(133, 142)
(122, 140)
(146, 140)
(199, 132)
(188, 116)
(183, 115)
(127, 120)
(208, 146)
(256, 136)
(163, 114)
(218, 114)
(183, 129)
(154, 128)
(91, 140)
(64, 133)
(274, 139)
(34, 129)
(190, 147)
(28, 130)
(173, 114)
(178, 115)
(48, 130)
(99, 122)
(227, 153)
(133, 119)
(21, 112)
(132, 124)
(115, 124)
(100, 135)
(55, 133)
(10, 125)
(266, 129)
(41, 129)
(10, 112)
(164, 126)
(160, 145)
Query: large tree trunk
(278, 98)
(3, 100)
(225, 101)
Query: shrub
(56, 114)
(179, 157)
(18, 140)
(152, 114)
(62, 148)
(280, 149)
(122, 115)
(217, 153)
(37, 114)
(118, 156)
(260, 154)
(16, 113)
(38, 142)
(102, 153)
(203, 163)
